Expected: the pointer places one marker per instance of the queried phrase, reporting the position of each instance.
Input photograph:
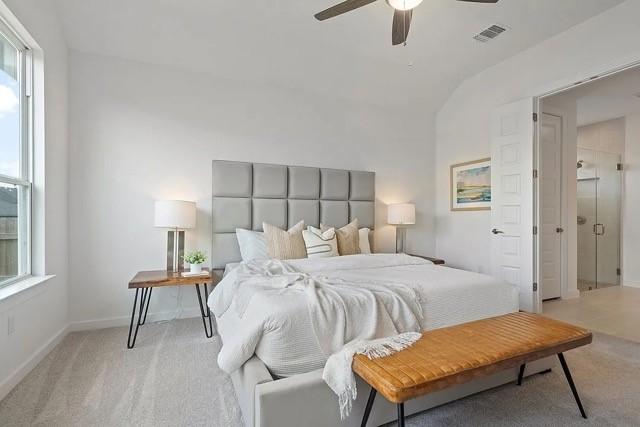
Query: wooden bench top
(457, 354)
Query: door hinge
(535, 117)
(618, 272)
(535, 173)
(619, 167)
(535, 287)
(535, 230)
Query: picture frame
(470, 185)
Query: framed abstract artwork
(471, 186)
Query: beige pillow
(348, 238)
(283, 244)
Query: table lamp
(177, 215)
(401, 215)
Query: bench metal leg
(400, 414)
(567, 374)
(521, 373)
(367, 409)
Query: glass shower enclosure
(599, 196)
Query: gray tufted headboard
(247, 194)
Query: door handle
(496, 231)
(559, 230)
(598, 231)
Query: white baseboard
(631, 283)
(571, 294)
(18, 375)
(112, 322)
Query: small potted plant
(195, 260)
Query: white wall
(462, 126)
(603, 136)
(142, 132)
(631, 204)
(40, 313)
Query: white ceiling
(279, 41)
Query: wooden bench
(449, 356)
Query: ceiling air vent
(490, 33)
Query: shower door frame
(620, 278)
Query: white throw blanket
(337, 372)
(345, 315)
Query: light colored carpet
(171, 379)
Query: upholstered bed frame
(247, 194)
(244, 196)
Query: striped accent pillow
(283, 244)
(319, 244)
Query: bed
(285, 340)
(274, 361)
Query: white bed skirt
(305, 400)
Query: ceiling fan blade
(480, 1)
(401, 23)
(340, 8)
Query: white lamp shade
(175, 214)
(401, 214)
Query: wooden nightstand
(144, 282)
(436, 261)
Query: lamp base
(401, 237)
(175, 250)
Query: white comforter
(277, 325)
(341, 310)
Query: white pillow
(363, 235)
(319, 244)
(253, 244)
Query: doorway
(597, 201)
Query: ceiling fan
(401, 15)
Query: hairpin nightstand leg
(145, 297)
(148, 299)
(208, 332)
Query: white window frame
(24, 181)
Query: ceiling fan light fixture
(403, 4)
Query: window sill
(22, 285)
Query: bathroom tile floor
(613, 310)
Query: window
(15, 155)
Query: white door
(512, 195)
(550, 175)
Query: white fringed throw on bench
(341, 379)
